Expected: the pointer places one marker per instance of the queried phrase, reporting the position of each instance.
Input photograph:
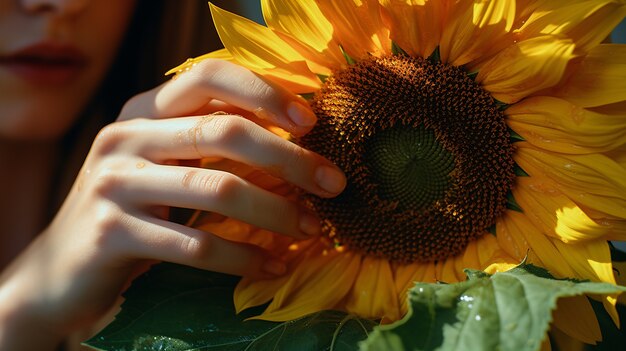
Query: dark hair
(161, 35)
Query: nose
(58, 7)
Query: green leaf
(177, 308)
(509, 311)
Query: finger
(221, 80)
(221, 192)
(166, 241)
(234, 138)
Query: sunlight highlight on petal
(600, 79)
(302, 25)
(556, 125)
(526, 67)
(300, 295)
(476, 29)
(587, 23)
(259, 48)
(357, 26)
(415, 25)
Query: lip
(45, 63)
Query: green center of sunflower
(409, 165)
(426, 151)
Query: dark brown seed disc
(426, 151)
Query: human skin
(114, 219)
(45, 104)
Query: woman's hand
(115, 217)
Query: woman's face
(53, 55)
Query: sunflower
(473, 134)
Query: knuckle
(295, 157)
(228, 130)
(198, 249)
(108, 181)
(222, 187)
(109, 138)
(131, 106)
(109, 223)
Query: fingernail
(330, 179)
(274, 266)
(301, 115)
(309, 224)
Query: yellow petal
(221, 54)
(415, 25)
(575, 317)
(468, 259)
(491, 256)
(373, 294)
(553, 213)
(593, 180)
(447, 272)
(358, 26)
(590, 260)
(526, 67)
(260, 49)
(600, 79)
(587, 23)
(517, 227)
(252, 291)
(406, 275)
(476, 29)
(303, 26)
(319, 283)
(557, 125)
(563, 341)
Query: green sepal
(512, 204)
(501, 105)
(472, 75)
(507, 311)
(397, 50)
(307, 96)
(176, 308)
(492, 230)
(519, 171)
(435, 57)
(322, 78)
(348, 58)
(515, 137)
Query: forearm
(20, 327)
